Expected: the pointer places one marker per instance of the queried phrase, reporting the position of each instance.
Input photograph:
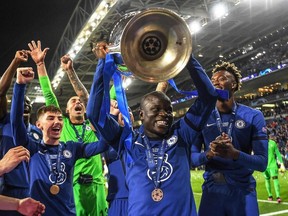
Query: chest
(77, 133)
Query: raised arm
(199, 112)
(95, 103)
(111, 129)
(7, 77)
(19, 132)
(162, 86)
(79, 88)
(38, 57)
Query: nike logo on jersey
(209, 125)
(137, 143)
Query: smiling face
(75, 108)
(156, 114)
(50, 123)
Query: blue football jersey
(18, 177)
(45, 170)
(248, 134)
(174, 177)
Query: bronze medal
(54, 189)
(157, 195)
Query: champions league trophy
(155, 44)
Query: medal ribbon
(231, 121)
(80, 138)
(58, 162)
(155, 168)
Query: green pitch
(267, 208)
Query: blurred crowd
(279, 127)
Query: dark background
(23, 21)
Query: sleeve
(278, 154)
(18, 127)
(50, 97)
(199, 112)
(94, 148)
(198, 157)
(259, 159)
(111, 129)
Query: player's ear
(234, 86)
(38, 125)
(141, 114)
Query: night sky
(22, 21)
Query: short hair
(27, 99)
(50, 108)
(93, 42)
(28, 102)
(157, 94)
(232, 69)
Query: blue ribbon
(126, 136)
(173, 84)
(121, 98)
(109, 71)
(224, 94)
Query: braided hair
(232, 69)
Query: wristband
(39, 63)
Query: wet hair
(158, 94)
(44, 109)
(27, 99)
(232, 69)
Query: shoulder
(243, 109)
(70, 144)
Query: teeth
(162, 123)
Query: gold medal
(157, 195)
(54, 189)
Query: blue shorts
(118, 207)
(223, 199)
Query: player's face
(27, 105)
(51, 124)
(224, 80)
(156, 116)
(27, 109)
(75, 107)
